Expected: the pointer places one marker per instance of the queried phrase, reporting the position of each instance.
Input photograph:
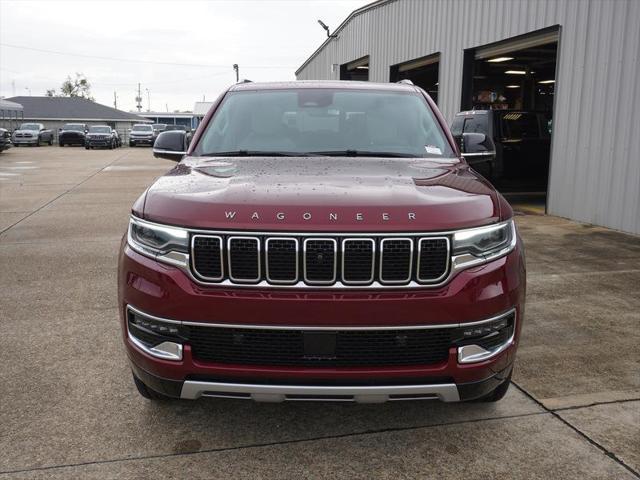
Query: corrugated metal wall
(595, 166)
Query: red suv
(321, 241)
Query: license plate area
(320, 345)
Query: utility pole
(148, 100)
(139, 100)
(115, 100)
(237, 70)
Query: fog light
(485, 340)
(157, 338)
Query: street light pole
(148, 100)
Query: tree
(73, 87)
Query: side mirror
(171, 145)
(474, 145)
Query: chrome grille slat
(244, 259)
(320, 260)
(334, 261)
(358, 260)
(281, 260)
(396, 260)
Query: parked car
(159, 127)
(32, 134)
(100, 136)
(521, 141)
(182, 128)
(349, 255)
(72, 134)
(141, 134)
(5, 139)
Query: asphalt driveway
(68, 407)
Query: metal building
(576, 60)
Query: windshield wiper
(363, 153)
(254, 153)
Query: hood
(97, 134)
(322, 194)
(33, 132)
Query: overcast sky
(268, 39)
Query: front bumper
(25, 141)
(141, 141)
(473, 295)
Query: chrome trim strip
(373, 262)
(193, 257)
(244, 280)
(396, 282)
(289, 233)
(266, 261)
(304, 262)
(446, 269)
(323, 328)
(447, 392)
(469, 354)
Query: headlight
(165, 243)
(480, 245)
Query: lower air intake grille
(346, 349)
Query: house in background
(11, 114)
(54, 112)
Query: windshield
(99, 130)
(159, 126)
(30, 126)
(324, 121)
(73, 127)
(142, 128)
(176, 127)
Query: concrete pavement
(68, 407)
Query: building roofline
(80, 120)
(353, 14)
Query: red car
(321, 241)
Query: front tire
(148, 393)
(498, 393)
(61, 144)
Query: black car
(5, 139)
(72, 134)
(100, 136)
(520, 139)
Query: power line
(130, 60)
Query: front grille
(347, 348)
(319, 261)
(395, 260)
(282, 260)
(244, 259)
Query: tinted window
(73, 127)
(142, 128)
(476, 124)
(518, 125)
(324, 120)
(456, 126)
(99, 130)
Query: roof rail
(406, 81)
